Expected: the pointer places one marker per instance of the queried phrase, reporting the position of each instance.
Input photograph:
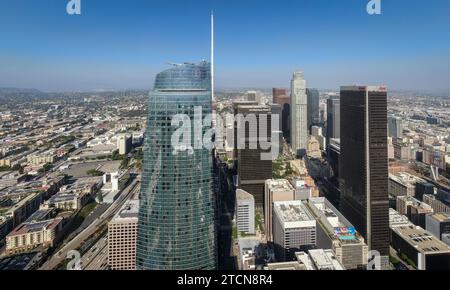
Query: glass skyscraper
(176, 229)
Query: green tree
(94, 172)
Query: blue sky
(120, 44)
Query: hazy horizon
(117, 45)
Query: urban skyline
(185, 176)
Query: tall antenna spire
(212, 54)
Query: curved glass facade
(176, 218)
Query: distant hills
(18, 90)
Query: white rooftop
(129, 210)
(397, 220)
(325, 259)
(279, 184)
(243, 195)
(293, 214)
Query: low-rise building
(437, 205)
(286, 266)
(31, 235)
(42, 158)
(320, 259)
(23, 203)
(421, 247)
(423, 188)
(302, 190)
(402, 150)
(438, 224)
(67, 201)
(403, 183)
(398, 220)
(415, 210)
(6, 226)
(248, 249)
(446, 239)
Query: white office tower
(115, 181)
(294, 229)
(299, 114)
(124, 144)
(245, 212)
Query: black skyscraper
(253, 171)
(313, 107)
(364, 164)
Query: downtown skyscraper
(176, 217)
(253, 171)
(299, 114)
(395, 127)
(280, 97)
(313, 107)
(333, 118)
(364, 164)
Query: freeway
(97, 257)
(75, 243)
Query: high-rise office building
(333, 119)
(245, 212)
(253, 170)
(236, 104)
(281, 98)
(176, 228)
(275, 190)
(364, 164)
(277, 111)
(124, 144)
(313, 107)
(122, 234)
(277, 94)
(299, 114)
(294, 229)
(395, 127)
